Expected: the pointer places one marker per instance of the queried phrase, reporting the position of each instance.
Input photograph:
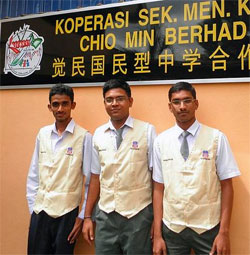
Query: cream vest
(125, 180)
(60, 174)
(192, 196)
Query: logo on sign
(24, 51)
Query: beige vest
(125, 179)
(60, 173)
(192, 196)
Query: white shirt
(226, 165)
(56, 141)
(108, 130)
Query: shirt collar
(129, 123)
(192, 130)
(70, 127)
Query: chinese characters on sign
(191, 58)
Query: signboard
(139, 41)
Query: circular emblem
(24, 51)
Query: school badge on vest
(135, 145)
(69, 151)
(205, 155)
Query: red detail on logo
(18, 44)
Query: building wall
(223, 106)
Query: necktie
(119, 137)
(184, 146)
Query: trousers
(182, 243)
(49, 235)
(116, 234)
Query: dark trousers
(49, 235)
(182, 243)
(116, 234)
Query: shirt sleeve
(151, 138)
(87, 156)
(157, 167)
(226, 165)
(33, 178)
(95, 164)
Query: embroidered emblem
(69, 151)
(205, 155)
(135, 145)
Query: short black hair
(116, 83)
(61, 89)
(181, 86)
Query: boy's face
(61, 107)
(183, 106)
(117, 104)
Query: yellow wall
(23, 112)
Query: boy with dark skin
(119, 174)
(193, 195)
(58, 170)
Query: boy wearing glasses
(193, 191)
(60, 166)
(121, 178)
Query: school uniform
(192, 191)
(59, 168)
(124, 214)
